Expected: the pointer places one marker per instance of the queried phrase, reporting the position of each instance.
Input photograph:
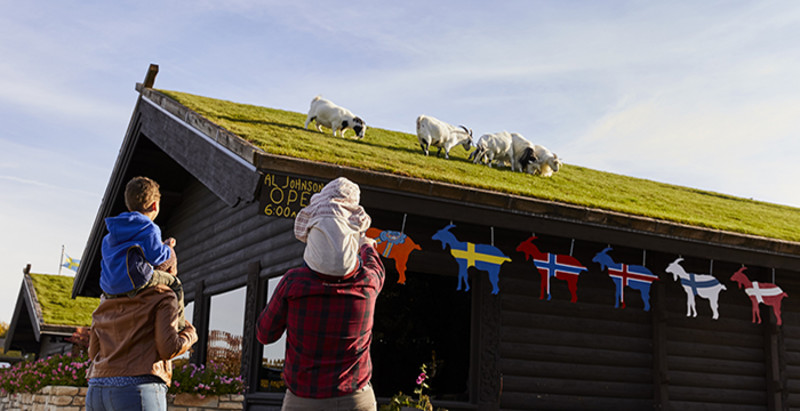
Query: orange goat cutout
(396, 246)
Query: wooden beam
(660, 362)
(775, 365)
(200, 316)
(254, 300)
(150, 78)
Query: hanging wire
(403, 227)
(711, 268)
(773, 275)
(644, 258)
(492, 230)
(571, 247)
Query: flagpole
(61, 263)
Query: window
(273, 355)
(226, 326)
(424, 321)
(189, 315)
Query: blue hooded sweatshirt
(127, 230)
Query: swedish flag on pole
(68, 262)
(71, 263)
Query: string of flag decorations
(397, 245)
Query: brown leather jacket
(138, 335)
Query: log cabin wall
(216, 242)
(590, 355)
(549, 354)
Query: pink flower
(422, 377)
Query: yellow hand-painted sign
(284, 196)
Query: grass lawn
(281, 132)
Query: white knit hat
(332, 226)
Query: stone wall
(65, 398)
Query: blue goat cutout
(484, 257)
(637, 277)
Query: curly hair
(140, 193)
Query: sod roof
(281, 132)
(54, 295)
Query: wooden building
(530, 345)
(45, 317)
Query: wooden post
(150, 78)
(254, 302)
(485, 375)
(660, 366)
(775, 365)
(200, 316)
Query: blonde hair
(140, 193)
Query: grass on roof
(281, 132)
(54, 293)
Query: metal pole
(61, 263)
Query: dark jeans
(142, 397)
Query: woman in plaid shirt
(326, 306)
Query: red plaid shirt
(328, 323)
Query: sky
(699, 94)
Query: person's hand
(170, 242)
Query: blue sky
(701, 94)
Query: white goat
(532, 158)
(546, 162)
(493, 148)
(523, 153)
(327, 114)
(432, 132)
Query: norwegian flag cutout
(634, 276)
(560, 266)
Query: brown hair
(140, 193)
